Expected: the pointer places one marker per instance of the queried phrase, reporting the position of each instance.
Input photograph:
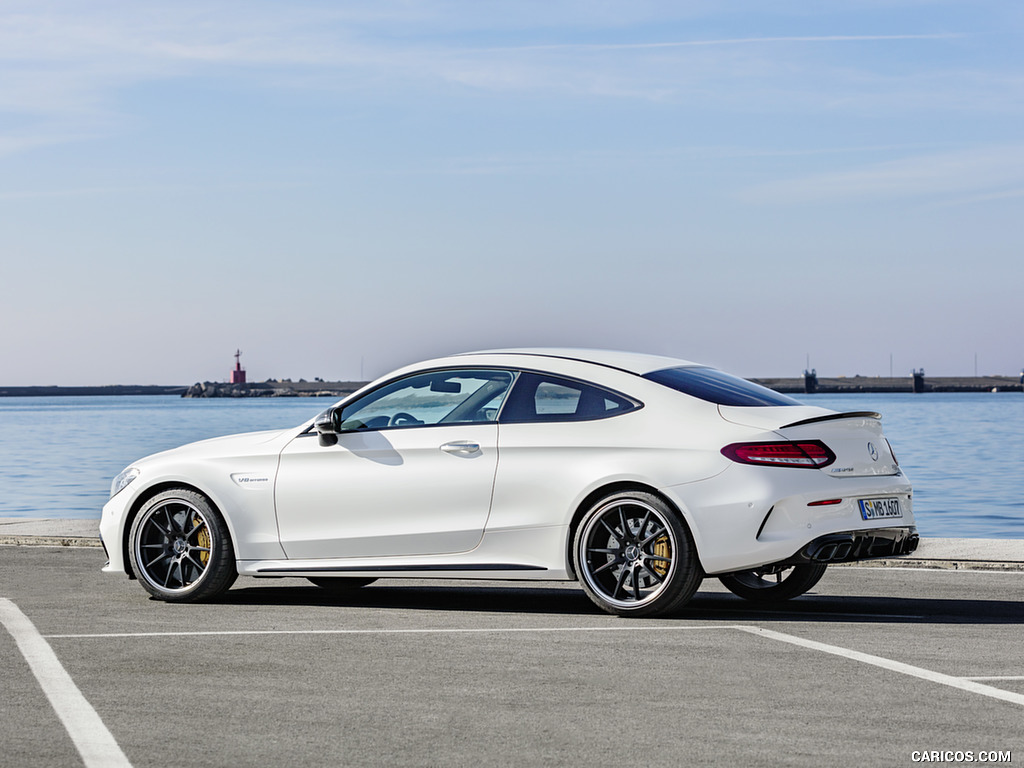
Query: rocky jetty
(274, 388)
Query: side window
(556, 398)
(538, 397)
(439, 397)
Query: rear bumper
(849, 546)
(749, 517)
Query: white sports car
(634, 474)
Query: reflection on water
(964, 452)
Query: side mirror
(326, 425)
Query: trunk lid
(855, 438)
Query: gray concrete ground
(872, 667)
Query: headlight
(122, 480)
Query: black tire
(773, 584)
(180, 549)
(341, 583)
(635, 557)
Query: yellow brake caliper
(202, 540)
(661, 549)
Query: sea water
(59, 454)
(963, 452)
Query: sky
(338, 189)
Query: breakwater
(883, 384)
(113, 389)
(822, 385)
(274, 388)
(318, 388)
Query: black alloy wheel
(180, 549)
(773, 583)
(634, 556)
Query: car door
(411, 474)
(558, 436)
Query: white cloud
(726, 41)
(89, 50)
(991, 170)
(72, 66)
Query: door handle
(461, 447)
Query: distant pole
(975, 365)
(808, 366)
(361, 358)
(890, 365)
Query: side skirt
(422, 568)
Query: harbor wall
(301, 388)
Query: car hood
(230, 445)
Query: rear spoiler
(834, 416)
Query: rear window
(718, 387)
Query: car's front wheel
(773, 584)
(635, 557)
(180, 549)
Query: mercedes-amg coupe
(636, 475)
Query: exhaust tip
(856, 545)
(830, 549)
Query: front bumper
(112, 521)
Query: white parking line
(997, 677)
(962, 683)
(894, 666)
(94, 742)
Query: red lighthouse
(238, 375)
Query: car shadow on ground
(525, 600)
(571, 601)
(861, 609)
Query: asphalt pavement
(874, 667)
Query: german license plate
(877, 509)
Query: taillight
(811, 454)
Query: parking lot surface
(873, 667)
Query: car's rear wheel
(180, 549)
(340, 583)
(635, 557)
(774, 583)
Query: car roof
(633, 362)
